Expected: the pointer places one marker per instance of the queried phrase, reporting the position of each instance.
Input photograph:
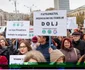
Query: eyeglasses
(22, 46)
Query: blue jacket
(44, 49)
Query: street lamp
(31, 19)
(30, 7)
(15, 5)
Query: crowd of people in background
(70, 49)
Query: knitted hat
(34, 39)
(75, 30)
(3, 60)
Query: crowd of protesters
(62, 49)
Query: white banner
(16, 59)
(50, 23)
(17, 29)
(71, 23)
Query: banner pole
(16, 44)
(49, 41)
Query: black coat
(80, 45)
(8, 51)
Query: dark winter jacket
(80, 45)
(8, 51)
(56, 40)
(44, 49)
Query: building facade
(78, 11)
(5, 16)
(61, 5)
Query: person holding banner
(44, 47)
(24, 47)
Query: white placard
(16, 59)
(17, 29)
(71, 23)
(50, 23)
(31, 32)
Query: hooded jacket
(55, 55)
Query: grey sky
(40, 4)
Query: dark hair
(47, 38)
(62, 46)
(69, 30)
(6, 44)
(27, 43)
(56, 40)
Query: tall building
(61, 4)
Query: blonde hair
(36, 55)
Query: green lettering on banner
(49, 31)
(32, 34)
(17, 24)
(29, 35)
(14, 25)
(43, 31)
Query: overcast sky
(8, 6)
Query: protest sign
(17, 59)
(17, 29)
(50, 23)
(71, 23)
